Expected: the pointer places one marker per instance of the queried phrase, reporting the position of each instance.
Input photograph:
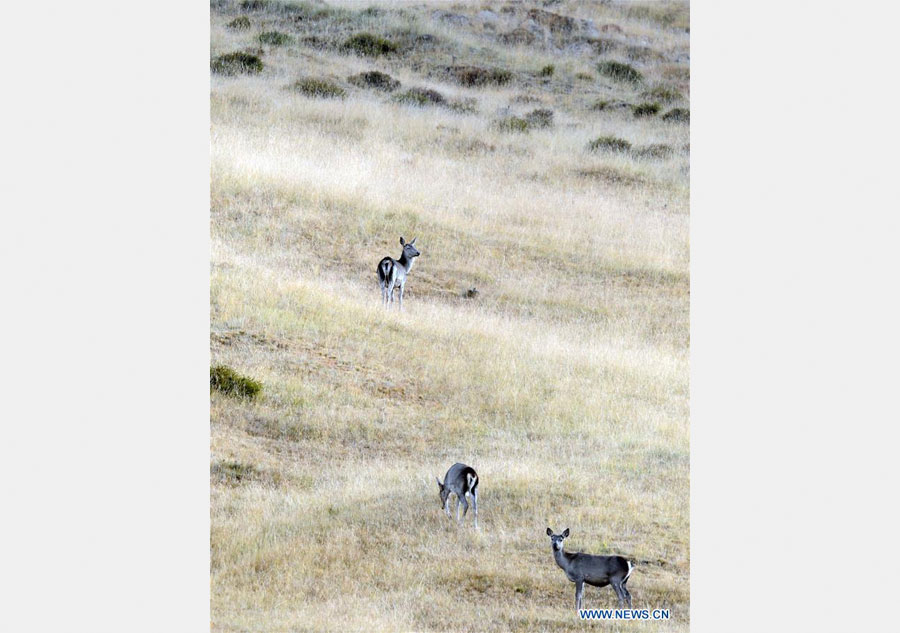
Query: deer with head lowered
(461, 480)
(599, 571)
(393, 272)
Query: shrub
(233, 472)
(473, 76)
(645, 109)
(620, 72)
(236, 63)
(584, 76)
(610, 105)
(609, 144)
(658, 151)
(421, 97)
(254, 5)
(680, 115)
(374, 79)
(547, 71)
(240, 24)
(513, 124)
(541, 117)
(275, 38)
(322, 88)
(225, 379)
(369, 44)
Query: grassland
(563, 381)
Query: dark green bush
(645, 109)
(241, 23)
(225, 379)
(610, 144)
(680, 115)
(275, 38)
(541, 117)
(369, 44)
(547, 71)
(236, 63)
(374, 79)
(421, 97)
(620, 72)
(322, 88)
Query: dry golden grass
(564, 382)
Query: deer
(598, 571)
(461, 480)
(393, 272)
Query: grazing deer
(461, 480)
(599, 571)
(392, 272)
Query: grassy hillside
(563, 381)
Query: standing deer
(599, 571)
(461, 480)
(392, 272)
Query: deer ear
(413, 241)
(565, 533)
(440, 485)
(549, 532)
(402, 242)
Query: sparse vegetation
(662, 93)
(679, 115)
(547, 71)
(646, 109)
(374, 79)
(609, 144)
(656, 151)
(275, 38)
(620, 72)
(236, 63)
(321, 88)
(513, 124)
(224, 379)
(370, 45)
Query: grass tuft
(679, 115)
(241, 23)
(656, 151)
(224, 379)
(275, 38)
(375, 80)
(620, 72)
(369, 45)
(236, 63)
(421, 97)
(609, 144)
(513, 124)
(547, 71)
(321, 88)
(661, 93)
(475, 76)
(646, 109)
(540, 118)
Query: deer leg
(627, 595)
(457, 508)
(391, 291)
(579, 591)
(402, 284)
(475, 505)
(617, 586)
(465, 505)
